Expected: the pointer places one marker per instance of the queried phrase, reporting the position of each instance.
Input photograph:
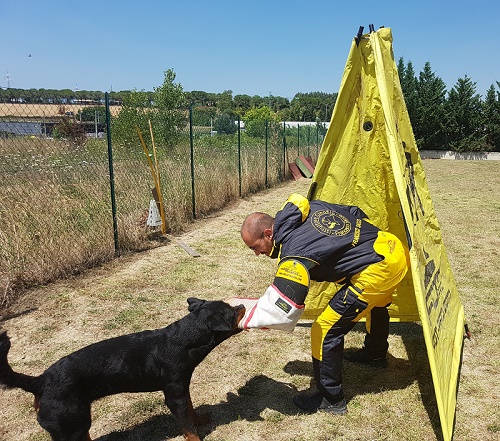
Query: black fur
(162, 359)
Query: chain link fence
(72, 198)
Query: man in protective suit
(325, 242)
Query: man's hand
(247, 302)
(273, 310)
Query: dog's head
(219, 316)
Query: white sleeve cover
(272, 311)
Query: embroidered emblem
(330, 223)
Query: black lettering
(435, 338)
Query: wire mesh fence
(71, 197)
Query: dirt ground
(247, 383)
(146, 290)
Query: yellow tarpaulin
(369, 158)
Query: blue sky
(254, 47)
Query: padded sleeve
(292, 279)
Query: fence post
(266, 148)
(317, 142)
(309, 141)
(284, 151)
(191, 147)
(298, 139)
(111, 176)
(239, 152)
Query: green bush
(225, 125)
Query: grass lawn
(248, 382)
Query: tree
(92, 113)
(204, 115)
(165, 108)
(430, 118)
(255, 121)
(136, 112)
(200, 98)
(258, 101)
(297, 108)
(242, 103)
(463, 109)
(225, 125)
(491, 118)
(280, 103)
(225, 102)
(409, 87)
(311, 106)
(170, 115)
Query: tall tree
(463, 109)
(258, 101)
(225, 125)
(429, 125)
(200, 98)
(491, 118)
(409, 86)
(242, 103)
(225, 102)
(312, 106)
(135, 112)
(255, 120)
(280, 103)
(170, 104)
(165, 108)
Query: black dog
(146, 361)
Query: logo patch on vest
(294, 271)
(330, 223)
(281, 304)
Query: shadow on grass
(250, 400)
(400, 373)
(261, 392)
(8, 316)
(419, 368)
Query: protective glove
(273, 310)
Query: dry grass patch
(248, 382)
(44, 110)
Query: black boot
(363, 356)
(317, 402)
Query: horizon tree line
(459, 119)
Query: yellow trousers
(372, 287)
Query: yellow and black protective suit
(335, 243)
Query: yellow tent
(369, 158)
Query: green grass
(248, 382)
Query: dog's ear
(194, 303)
(219, 322)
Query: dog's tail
(10, 379)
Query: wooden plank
(295, 171)
(307, 162)
(186, 247)
(310, 161)
(303, 168)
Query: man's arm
(282, 304)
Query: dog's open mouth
(240, 310)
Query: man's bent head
(257, 233)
